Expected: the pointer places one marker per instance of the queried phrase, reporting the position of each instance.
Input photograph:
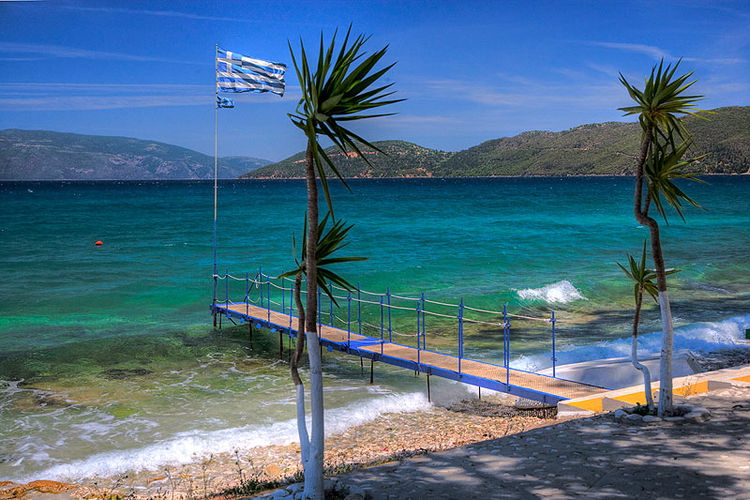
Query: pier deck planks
(563, 389)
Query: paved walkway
(587, 458)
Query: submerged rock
(124, 373)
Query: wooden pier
(542, 388)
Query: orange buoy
(98, 243)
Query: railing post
(320, 320)
(291, 309)
(291, 297)
(330, 290)
(283, 295)
(213, 306)
(226, 293)
(247, 295)
(460, 333)
(381, 316)
(260, 285)
(424, 344)
(390, 331)
(349, 318)
(418, 315)
(268, 297)
(359, 309)
(381, 329)
(506, 336)
(554, 358)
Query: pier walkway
(257, 309)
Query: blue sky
(470, 71)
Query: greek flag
(237, 73)
(224, 102)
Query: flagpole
(216, 169)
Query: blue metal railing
(271, 296)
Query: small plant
(205, 477)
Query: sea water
(108, 358)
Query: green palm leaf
(662, 167)
(343, 88)
(662, 100)
(642, 278)
(329, 242)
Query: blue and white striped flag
(224, 102)
(237, 73)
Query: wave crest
(556, 293)
(189, 446)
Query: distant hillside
(401, 159)
(45, 155)
(596, 149)
(603, 149)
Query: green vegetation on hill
(596, 149)
(45, 155)
(401, 159)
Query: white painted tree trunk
(314, 467)
(646, 374)
(665, 366)
(304, 438)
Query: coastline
(391, 437)
(571, 176)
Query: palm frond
(662, 101)
(343, 88)
(666, 163)
(644, 279)
(330, 241)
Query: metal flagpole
(216, 167)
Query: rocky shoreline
(390, 437)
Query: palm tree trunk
(304, 439)
(667, 329)
(634, 353)
(314, 468)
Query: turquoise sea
(108, 359)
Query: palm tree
(339, 89)
(329, 242)
(643, 281)
(660, 106)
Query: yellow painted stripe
(588, 404)
(634, 398)
(688, 390)
(744, 378)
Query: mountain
(45, 155)
(397, 159)
(595, 149)
(604, 149)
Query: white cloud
(40, 96)
(161, 13)
(648, 50)
(88, 103)
(75, 53)
(658, 53)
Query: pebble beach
(392, 437)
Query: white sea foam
(701, 337)
(186, 447)
(560, 293)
